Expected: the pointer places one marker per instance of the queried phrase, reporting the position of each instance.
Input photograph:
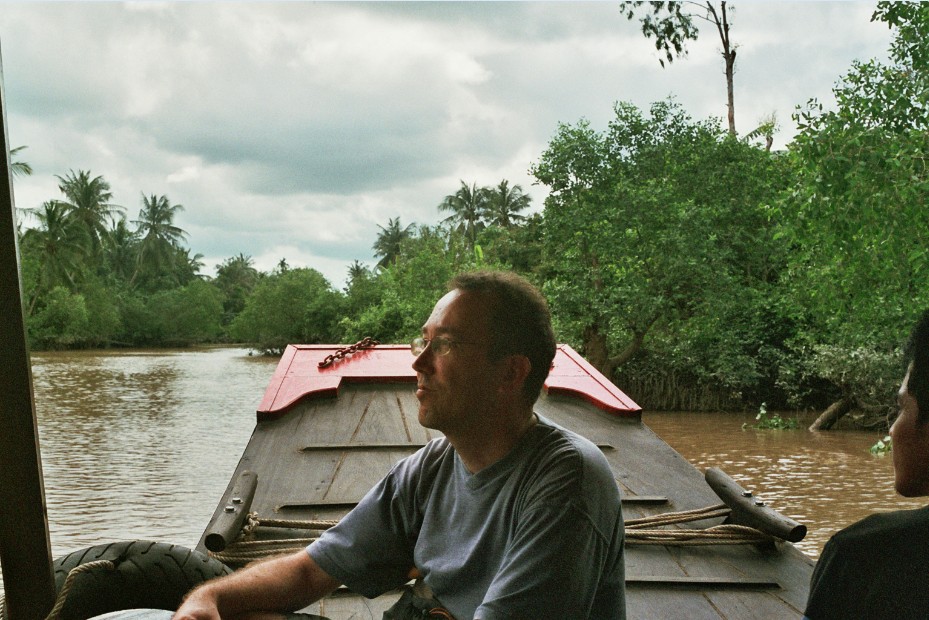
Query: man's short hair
(520, 321)
(917, 359)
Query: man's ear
(513, 373)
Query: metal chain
(365, 343)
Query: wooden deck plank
(644, 604)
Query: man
(879, 567)
(507, 516)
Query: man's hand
(200, 604)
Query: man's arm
(282, 584)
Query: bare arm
(283, 584)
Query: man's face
(910, 447)
(458, 389)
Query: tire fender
(145, 574)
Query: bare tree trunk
(721, 20)
(595, 349)
(832, 414)
(597, 352)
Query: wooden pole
(25, 549)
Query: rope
(62, 597)
(300, 525)
(684, 516)
(244, 549)
(717, 535)
(69, 580)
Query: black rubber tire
(149, 575)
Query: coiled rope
(62, 597)
(638, 532)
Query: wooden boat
(324, 436)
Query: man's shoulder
(558, 439)
(906, 527)
(563, 448)
(890, 523)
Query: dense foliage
(696, 269)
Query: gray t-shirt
(539, 534)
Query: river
(141, 445)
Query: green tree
(647, 223)
(187, 315)
(468, 207)
(671, 26)
(409, 288)
(362, 291)
(121, 251)
(159, 237)
(518, 248)
(389, 241)
(236, 278)
(103, 317)
(60, 322)
(87, 201)
(58, 249)
(858, 216)
(504, 202)
(298, 306)
(187, 267)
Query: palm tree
(357, 270)
(390, 240)
(19, 168)
(468, 207)
(160, 237)
(88, 203)
(188, 267)
(236, 277)
(59, 247)
(504, 203)
(121, 250)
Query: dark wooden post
(25, 550)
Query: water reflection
(140, 445)
(825, 480)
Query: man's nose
(423, 361)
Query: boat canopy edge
(298, 377)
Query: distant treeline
(698, 270)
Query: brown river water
(141, 445)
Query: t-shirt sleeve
(371, 548)
(565, 560)
(828, 583)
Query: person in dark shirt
(879, 566)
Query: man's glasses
(438, 345)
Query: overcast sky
(293, 130)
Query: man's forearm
(283, 584)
